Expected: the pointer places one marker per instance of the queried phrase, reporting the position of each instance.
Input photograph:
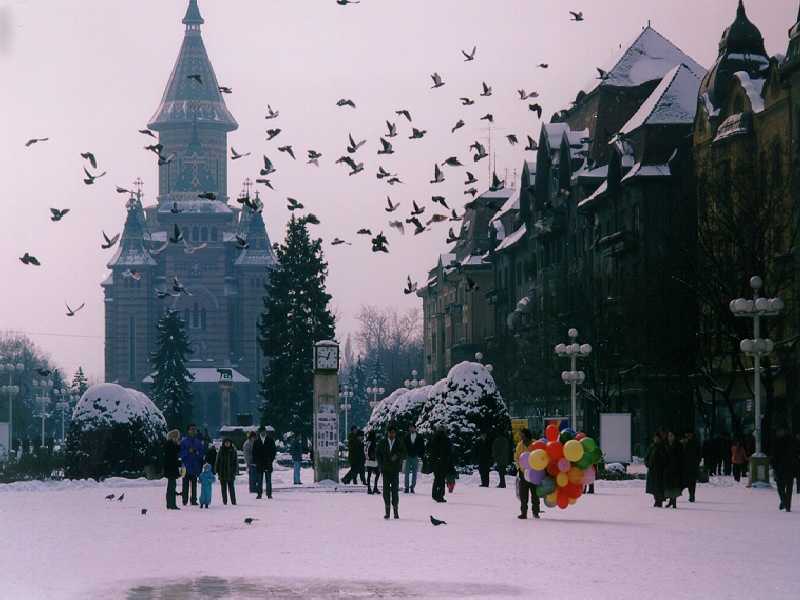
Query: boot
(386, 516)
(522, 516)
(536, 515)
(396, 515)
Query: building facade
(224, 284)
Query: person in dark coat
(709, 456)
(391, 453)
(227, 467)
(172, 466)
(296, 449)
(501, 452)
(783, 463)
(370, 451)
(211, 457)
(483, 454)
(656, 461)
(355, 456)
(797, 460)
(673, 470)
(725, 455)
(691, 463)
(192, 453)
(415, 451)
(264, 452)
(525, 487)
(440, 456)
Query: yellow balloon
(573, 450)
(562, 479)
(575, 475)
(539, 460)
(553, 498)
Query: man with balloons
(556, 466)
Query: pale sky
(89, 73)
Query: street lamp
(11, 390)
(757, 347)
(479, 358)
(43, 387)
(375, 391)
(414, 382)
(347, 395)
(64, 397)
(573, 377)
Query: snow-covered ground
(64, 540)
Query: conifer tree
(295, 316)
(79, 382)
(172, 391)
(357, 379)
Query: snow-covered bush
(402, 407)
(115, 431)
(466, 403)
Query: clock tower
(326, 411)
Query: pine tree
(295, 316)
(378, 376)
(79, 382)
(172, 391)
(357, 379)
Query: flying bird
(29, 259)
(241, 243)
(411, 286)
(71, 312)
(33, 141)
(487, 90)
(537, 108)
(363, 232)
(354, 170)
(57, 214)
(438, 175)
(122, 190)
(417, 134)
(196, 77)
(273, 133)
(272, 114)
(576, 16)
(601, 74)
(543, 65)
(266, 182)
(471, 191)
(452, 237)
(469, 56)
(403, 113)
(313, 158)
(110, 497)
(470, 178)
(532, 145)
(156, 148)
(236, 156)
(175, 210)
(121, 497)
(91, 158)
(488, 117)
(268, 167)
(353, 146)
(523, 95)
(380, 243)
(108, 241)
(148, 132)
(382, 173)
(452, 161)
(471, 285)
(454, 216)
(224, 89)
(189, 249)
(459, 124)
(418, 227)
(288, 149)
(176, 237)
(480, 151)
(393, 180)
(249, 520)
(346, 102)
(143, 511)
(132, 274)
(387, 147)
(165, 160)
(399, 226)
(418, 210)
(512, 139)
(338, 242)
(437, 522)
(89, 180)
(467, 101)
(178, 287)
(440, 200)
(392, 127)
(436, 218)
(437, 81)
(293, 204)
(389, 206)
(311, 218)
(163, 294)
(497, 184)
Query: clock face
(327, 357)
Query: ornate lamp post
(64, 397)
(43, 387)
(479, 358)
(573, 377)
(414, 382)
(346, 395)
(755, 309)
(11, 391)
(375, 391)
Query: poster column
(326, 413)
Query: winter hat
(174, 435)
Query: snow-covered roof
(754, 89)
(736, 124)
(648, 58)
(673, 102)
(105, 404)
(473, 260)
(600, 172)
(602, 189)
(207, 375)
(446, 258)
(513, 238)
(640, 170)
(500, 229)
(511, 204)
(554, 133)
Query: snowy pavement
(64, 540)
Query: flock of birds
(440, 209)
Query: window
(204, 234)
(195, 234)
(196, 317)
(213, 234)
(186, 316)
(203, 321)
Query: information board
(327, 431)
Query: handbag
(427, 469)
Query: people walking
(691, 463)
(415, 451)
(264, 456)
(738, 459)
(355, 456)
(783, 458)
(710, 455)
(296, 449)
(483, 454)
(171, 466)
(501, 453)
(673, 470)
(391, 453)
(440, 457)
(250, 465)
(525, 487)
(206, 484)
(227, 468)
(656, 461)
(192, 453)
(370, 450)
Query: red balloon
(552, 469)
(551, 432)
(562, 500)
(580, 436)
(555, 450)
(572, 490)
(539, 445)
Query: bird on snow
(207, 196)
(89, 180)
(293, 204)
(417, 134)
(288, 150)
(576, 16)
(346, 102)
(418, 210)
(440, 200)
(411, 286)
(144, 511)
(438, 175)
(437, 81)
(236, 156)
(487, 90)
(459, 124)
(273, 133)
(488, 117)
(387, 147)
(176, 237)
(353, 146)
(392, 127)
(268, 167)
(454, 216)
(121, 497)
(196, 77)
(399, 226)
(380, 243)
(28, 259)
(497, 184)
(467, 101)
(108, 242)
(33, 141)
(272, 114)
(532, 145)
(110, 497)
(72, 312)
(437, 522)
(470, 178)
(223, 89)
(452, 237)
(523, 95)
(57, 214)
(389, 206)
(537, 108)
(148, 132)
(90, 157)
(512, 139)
(403, 113)
(452, 161)
(469, 56)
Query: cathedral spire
(193, 18)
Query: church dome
(742, 36)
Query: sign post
(225, 386)
(326, 411)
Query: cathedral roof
(260, 253)
(131, 251)
(185, 98)
(742, 35)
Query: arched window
(213, 234)
(196, 317)
(186, 316)
(203, 321)
(204, 234)
(195, 234)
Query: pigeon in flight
(488, 117)
(532, 145)
(389, 206)
(387, 147)
(523, 95)
(363, 231)
(165, 160)
(392, 127)
(452, 237)
(156, 148)
(272, 114)
(467, 101)
(440, 200)
(189, 249)
(393, 180)
(452, 161)
(380, 243)
(121, 497)
(122, 190)
(236, 156)
(487, 90)
(346, 2)
(417, 134)
(382, 173)
(469, 56)
(512, 139)
(175, 210)
(268, 167)
(89, 180)
(178, 287)
(355, 169)
(163, 294)
(110, 497)
(353, 147)
(437, 522)
(411, 286)
(266, 182)
(196, 77)
(480, 151)
(207, 196)
(288, 149)
(438, 175)
(339, 242)
(71, 312)
(403, 113)
(57, 214)
(418, 227)
(249, 520)
(576, 16)
(313, 157)
(537, 108)
(601, 74)
(497, 184)
(28, 259)
(293, 205)
(454, 216)
(225, 89)
(471, 285)
(148, 132)
(543, 65)
(176, 237)
(418, 210)
(346, 102)
(311, 219)
(33, 141)
(437, 81)
(471, 191)
(436, 218)
(459, 124)
(143, 511)
(470, 178)
(399, 226)
(109, 241)
(90, 157)
(272, 134)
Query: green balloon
(566, 435)
(585, 461)
(597, 456)
(588, 444)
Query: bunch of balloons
(560, 464)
